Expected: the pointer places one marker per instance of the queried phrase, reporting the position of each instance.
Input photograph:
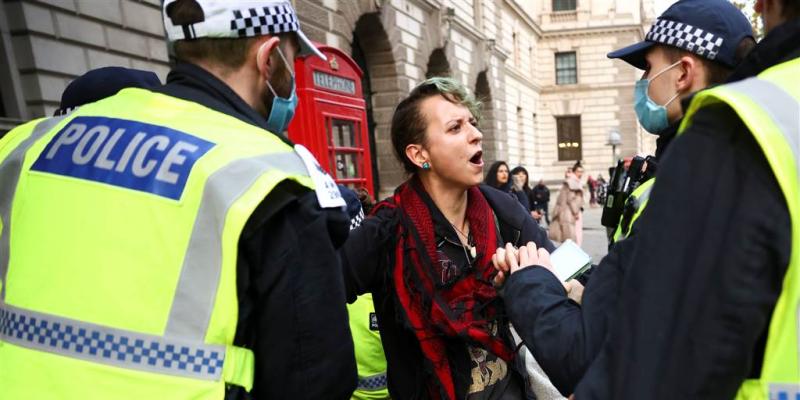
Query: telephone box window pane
(566, 68)
(569, 138)
(564, 5)
(344, 133)
(347, 166)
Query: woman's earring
(426, 165)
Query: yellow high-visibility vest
(118, 247)
(638, 200)
(769, 105)
(371, 361)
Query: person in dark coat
(540, 199)
(103, 82)
(292, 311)
(499, 178)
(568, 339)
(694, 313)
(519, 180)
(425, 255)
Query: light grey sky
(662, 5)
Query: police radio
(623, 183)
(615, 199)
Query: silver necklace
(472, 251)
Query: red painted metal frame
(319, 106)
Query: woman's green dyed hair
(408, 123)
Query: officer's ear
(692, 75)
(264, 63)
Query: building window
(565, 5)
(515, 43)
(569, 138)
(566, 68)
(478, 6)
(531, 62)
(520, 134)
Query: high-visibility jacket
(371, 361)
(118, 248)
(634, 204)
(769, 105)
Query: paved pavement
(595, 241)
(594, 234)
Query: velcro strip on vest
(110, 346)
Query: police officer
(103, 82)
(692, 45)
(711, 309)
(171, 243)
(557, 328)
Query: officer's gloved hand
(341, 222)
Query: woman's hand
(509, 260)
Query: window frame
(574, 68)
(572, 3)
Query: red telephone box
(331, 118)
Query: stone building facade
(550, 94)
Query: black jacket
(713, 247)
(291, 297)
(563, 336)
(366, 258)
(539, 196)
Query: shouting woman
(426, 255)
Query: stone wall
(56, 40)
(501, 49)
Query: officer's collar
(193, 83)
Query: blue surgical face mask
(651, 115)
(283, 109)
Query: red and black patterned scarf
(433, 310)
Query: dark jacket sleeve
(517, 226)
(365, 255)
(292, 300)
(714, 244)
(522, 197)
(563, 336)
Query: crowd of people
(567, 222)
(168, 241)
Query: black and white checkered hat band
(686, 37)
(267, 20)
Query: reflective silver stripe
(644, 196)
(784, 391)
(110, 346)
(197, 286)
(371, 383)
(781, 106)
(10, 170)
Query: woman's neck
(450, 200)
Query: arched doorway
(372, 50)
(438, 64)
(483, 92)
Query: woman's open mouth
(477, 159)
